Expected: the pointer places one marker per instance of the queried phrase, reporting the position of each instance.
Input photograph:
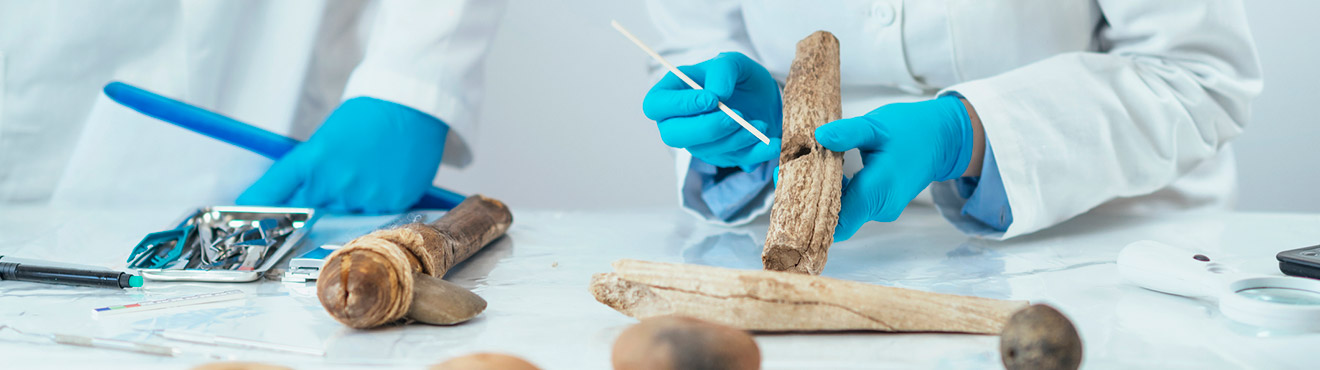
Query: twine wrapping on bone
(380, 277)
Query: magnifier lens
(1299, 297)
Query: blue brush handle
(242, 135)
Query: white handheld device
(1279, 302)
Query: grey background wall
(1279, 155)
(562, 125)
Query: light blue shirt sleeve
(987, 201)
(727, 191)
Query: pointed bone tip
(602, 284)
(824, 35)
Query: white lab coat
(1124, 105)
(280, 65)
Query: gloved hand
(904, 148)
(370, 156)
(691, 119)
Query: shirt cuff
(726, 192)
(987, 201)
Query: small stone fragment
(1040, 337)
(683, 343)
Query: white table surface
(535, 281)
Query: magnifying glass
(1278, 302)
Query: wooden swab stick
(723, 108)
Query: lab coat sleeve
(1170, 87)
(429, 55)
(693, 31)
(984, 207)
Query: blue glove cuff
(409, 114)
(961, 135)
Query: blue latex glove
(904, 148)
(691, 119)
(370, 156)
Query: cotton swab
(724, 108)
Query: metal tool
(223, 341)
(223, 244)
(173, 252)
(155, 250)
(248, 244)
(307, 267)
(253, 252)
(111, 344)
(205, 238)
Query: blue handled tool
(160, 248)
(229, 130)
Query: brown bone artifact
(387, 275)
(806, 207)
(779, 301)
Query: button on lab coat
(1089, 104)
(280, 65)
